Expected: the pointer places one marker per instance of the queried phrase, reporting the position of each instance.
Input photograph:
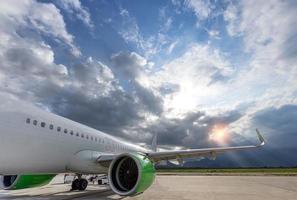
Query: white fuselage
(26, 148)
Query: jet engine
(131, 174)
(14, 182)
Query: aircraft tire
(75, 184)
(83, 184)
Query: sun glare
(219, 134)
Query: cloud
(27, 62)
(280, 125)
(134, 68)
(43, 17)
(130, 65)
(149, 46)
(131, 33)
(201, 8)
(197, 74)
(273, 31)
(74, 7)
(172, 46)
(214, 34)
(267, 32)
(190, 131)
(86, 91)
(32, 62)
(231, 16)
(94, 97)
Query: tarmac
(175, 187)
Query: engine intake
(14, 182)
(130, 174)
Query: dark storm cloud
(192, 130)
(94, 97)
(110, 114)
(129, 66)
(148, 99)
(280, 125)
(87, 92)
(26, 71)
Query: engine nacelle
(15, 182)
(131, 174)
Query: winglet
(260, 138)
(154, 142)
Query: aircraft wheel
(99, 182)
(75, 184)
(83, 183)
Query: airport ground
(175, 187)
(230, 171)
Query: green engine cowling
(131, 174)
(15, 182)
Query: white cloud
(148, 46)
(202, 8)
(45, 18)
(231, 15)
(172, 46)
(27, 62)
(213, 33)
(269, 35)
(167, 24)
(131, 33)
(74, 7)
(193, 77)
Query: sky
(199, 73)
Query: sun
(219, 134)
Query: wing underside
(191, 153)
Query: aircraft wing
(191, 153)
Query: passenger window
(96, 139)
(87, 137)
(28, 120)
(65, 130)
(58, 128)
(91, 137)
(77, 134)
(35, 122)
(42, 124)
(71, 132)
(82, 135)
(51, 126)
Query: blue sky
(199, 72)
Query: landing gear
(79, 184)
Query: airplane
(36, 145)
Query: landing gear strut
(79, 184)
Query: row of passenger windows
(71, 132)
(65, 130)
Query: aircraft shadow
(105, 194)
